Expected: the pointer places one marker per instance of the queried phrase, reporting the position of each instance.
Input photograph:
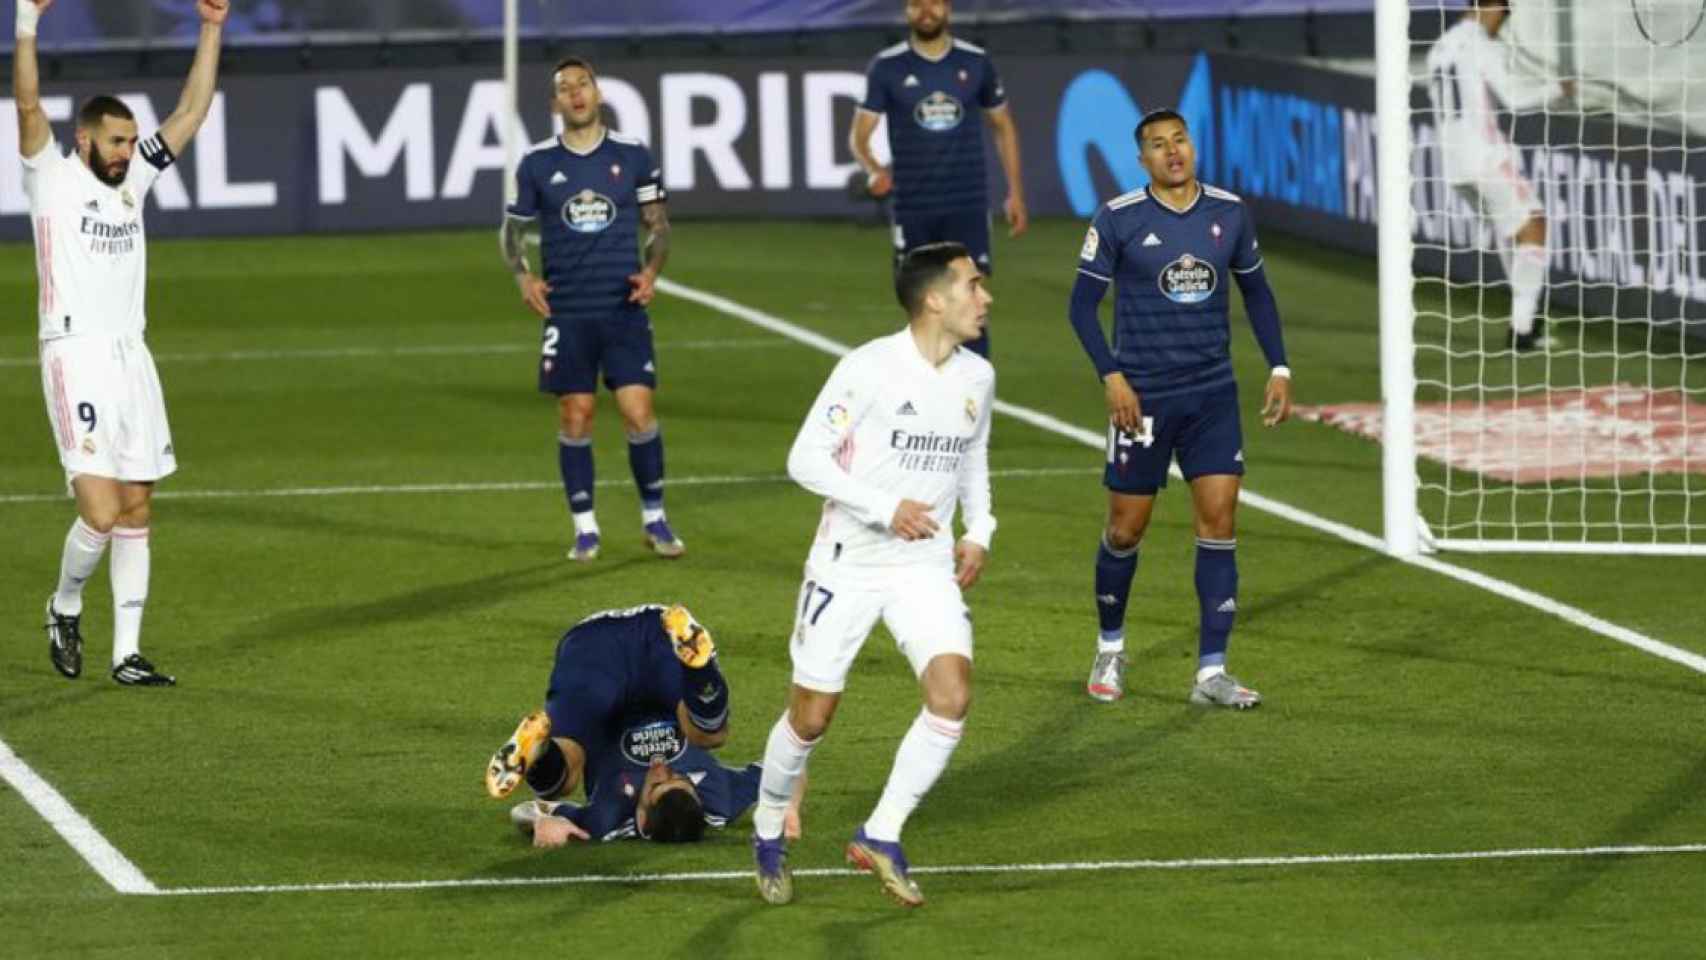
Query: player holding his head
(927, 88)
(634, 702)
(1168, 251)
(897, 438)
(589, 193)
(1470, 82)
(103, 393)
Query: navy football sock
(1114, 572)
(1217, 593)
(548, 773)
(706, 694)
(645, 458)
(574, 459)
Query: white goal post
(1555, 157)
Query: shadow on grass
(336, 622)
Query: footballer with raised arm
(103, 393)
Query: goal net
(1555, 310)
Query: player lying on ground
(635, 703)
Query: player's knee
(1217, 526)
(1123, 536)
(574, 418)
(952, 702)
(810, 717)
(135, 517)
(101, 519)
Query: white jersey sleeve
(823, 449)
(41, 172)
(976, 502)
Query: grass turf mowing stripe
(967, 869)
(1037, 418)
(114, 867)
(443, 350)
(498, 486)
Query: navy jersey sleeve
(526, 205)
(1248, 254)
(726, 792)
(991, 93)
(876, 92)
(1100, 255)
(649, 186)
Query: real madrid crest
(128, 198)
(971, 410)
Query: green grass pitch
(349, 661)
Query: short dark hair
(678, 816)
(1156, 116)
(568, 62)
(101, 107)
(923, 268)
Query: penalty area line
(1095, 438)
(74, 828)
(967, 869)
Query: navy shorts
(607, 670)
(1201, 428)
(970, 227)
(575, 350)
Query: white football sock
(586, 522)
(1528, 279)
(83, 550)
(922, 757)
(130, 589)
(1210, 671)
(785, 756)
(650, 515)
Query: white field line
(1084, 866)
(445, 350)
(113, 866)
(500, 486)
(1095, 438)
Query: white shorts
(1499, 191)
(106, 407)
(840, 604)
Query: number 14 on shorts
(1143, 436)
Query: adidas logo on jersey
(557, 179)
(907, 410)
(1152, 241)
(911, 81)
(93, 206)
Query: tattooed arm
(656, 220)
(512, 240)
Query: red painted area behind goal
(1553, 435)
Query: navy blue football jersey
(588, 208)
(1171, 271)
(615, 771)
(934, 124)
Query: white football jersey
(1469, 78)
(889, 426)
(91, 250)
